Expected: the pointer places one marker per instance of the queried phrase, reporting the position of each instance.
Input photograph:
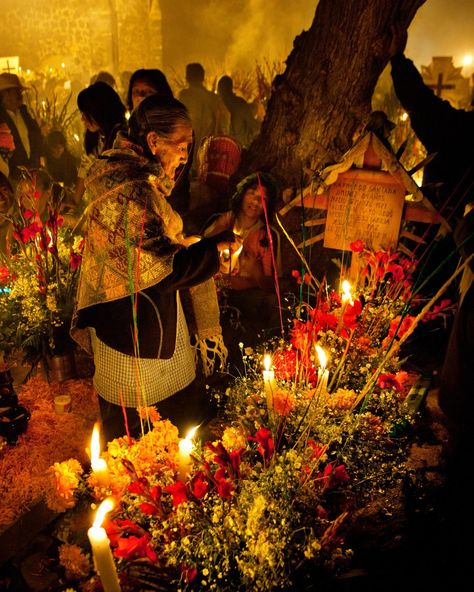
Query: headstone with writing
(366, 196)
(366, 205)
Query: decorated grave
(317, 429)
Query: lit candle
(230, 259)
(103, 559)
(323, 373)
(186, 446)
(269, 382)
(346, 298)
(98, 465)
(346, 293)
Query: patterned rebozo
(132, 238)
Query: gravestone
(366, 196)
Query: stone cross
(8, 68)
(439, 86)
(9, 64)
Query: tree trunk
(324, 95)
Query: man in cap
(25, 130)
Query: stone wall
(85, 35)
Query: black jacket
(19, 156)
(156, 306)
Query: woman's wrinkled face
(252, 205)
(172, 151)
(140, 90)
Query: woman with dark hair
(103, 115)
(254, 267)
(144, 83)
(248, 277)
(137, 268)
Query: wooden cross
(439, 86)
(8, 68)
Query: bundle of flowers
(38, 276)
(304, 444)
(7, 144)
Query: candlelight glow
(267, 362)
(467, 60)
(404, 116)
(346, 292)
(186, 445)
(95, 443)
(105, 507)
(97, 463)
(322, 356)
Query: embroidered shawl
(132, 235)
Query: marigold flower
(75, 562)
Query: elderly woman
(136, 266)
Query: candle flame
(346, 292)
(95, 444)
(186, 445)
(107, 505)
(192, 432)
(267, 362)
(322, 357)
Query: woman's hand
(229, 241)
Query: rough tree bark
(324, 95)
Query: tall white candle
(103, 559)
(323, 373)
(98, 464)
(269, 382)
(185, 446)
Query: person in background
(243, 126)
(103, 115)
(218, 160)
(444, 131)
(146, 82)
(208, 113)
(60, 163)
(448, 132)
(448, 180)
(23, 127)
(104, 76)
(247, 278)
(136, 271)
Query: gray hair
(157, 114)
